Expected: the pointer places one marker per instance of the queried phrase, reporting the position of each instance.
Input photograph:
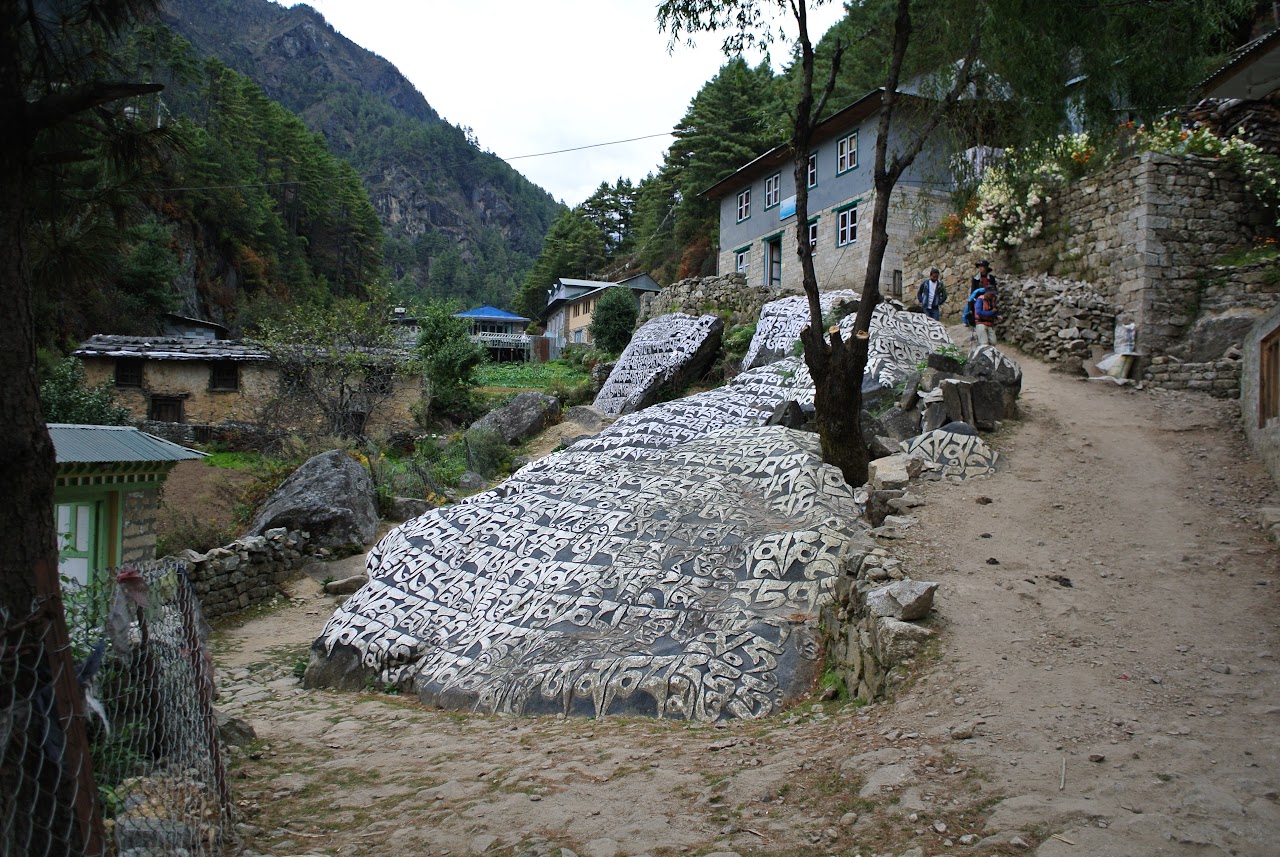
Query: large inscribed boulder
(667, 350)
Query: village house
(196, 389)
(502, 333)
(106, 493)
(758, 207)
(571, 303)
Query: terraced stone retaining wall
(247, 572)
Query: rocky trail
(1105, 683)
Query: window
(1269, 378)
(813, 236)
(741, 260)
(847, 154)
(165, 409)
(773, 261)
(744, 205)
(846, 226)
(772, 186)
(813, 169)
(224, 375)
(129, 372)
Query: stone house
(757, 207)
(571, 303)
(208, 386)
(106, 492)
(502, 333)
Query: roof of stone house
(169, 348)
(84, 444)
(842, 120)
(489, 313)
(1250, 73)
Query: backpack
(969, 318)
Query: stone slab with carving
(781, 321)
(683, 583)
(668, 350)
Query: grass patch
(530, 376)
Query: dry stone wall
(726, 293)
(1141, 239)
(247, 572)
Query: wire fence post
(70, 712)
(187, 606)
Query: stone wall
(870, 653)
(246, 572)
(138, 542)
(697, 295)
(1143, 238)
(1055, 319)
(1262, 429)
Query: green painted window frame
(744, 204)
(812, 175)
(839, 212)
(742, 255)
(852, 140)
(776, 178)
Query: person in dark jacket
(932, 295)
(983, 294)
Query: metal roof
(1251, 72)
(82, 444)
(487, 312)
(169, 348)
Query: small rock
(1019, 842)
(939, 827)
(962, 732)
(1097, 757)
(1225, 669)
(968, 839)
(848, 819)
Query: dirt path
(1106, 685)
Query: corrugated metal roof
(80, 444)
(169, 348)
(490, 312)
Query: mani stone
(667, 586)
(781, 321)
(522, 417)
(893, 471)
(668, 351)
(331, 495)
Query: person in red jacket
(984, 296)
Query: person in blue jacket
(983, 295)
(932, 295)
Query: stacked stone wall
(138, 542)
(698, 295)
(1143, 236)
(247, 572)
(1054, 319)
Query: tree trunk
(35, 661)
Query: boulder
(896, 641)
(992, 364)
(670, 350)
(905, 600)
(894, 471)
(521, 418)
(900, 424)
(587, 417)
(961, 455)
(404, 508)
(781, 321)
(790, 415)
(331, 496)
(957, 397)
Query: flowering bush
(1011, 196)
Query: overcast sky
(532, 77)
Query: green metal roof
(81, 444)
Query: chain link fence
(151, 779)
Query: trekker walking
(932, 295)
(983, 299)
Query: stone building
(106, 493)
(209, 385)
(757, 207)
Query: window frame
(1269, 378)
(847, 225)
(742, 260)
(773, 259)
(846, 151)
(772, 190)
(744, 204)
(813, 236)
(157, 404)
(228, 369)
(812, 177)
(133, 368)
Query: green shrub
(614, 320)
(65, 399)
(487, 453)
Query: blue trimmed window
(847, 154)
(772, 190)
(744, 205)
